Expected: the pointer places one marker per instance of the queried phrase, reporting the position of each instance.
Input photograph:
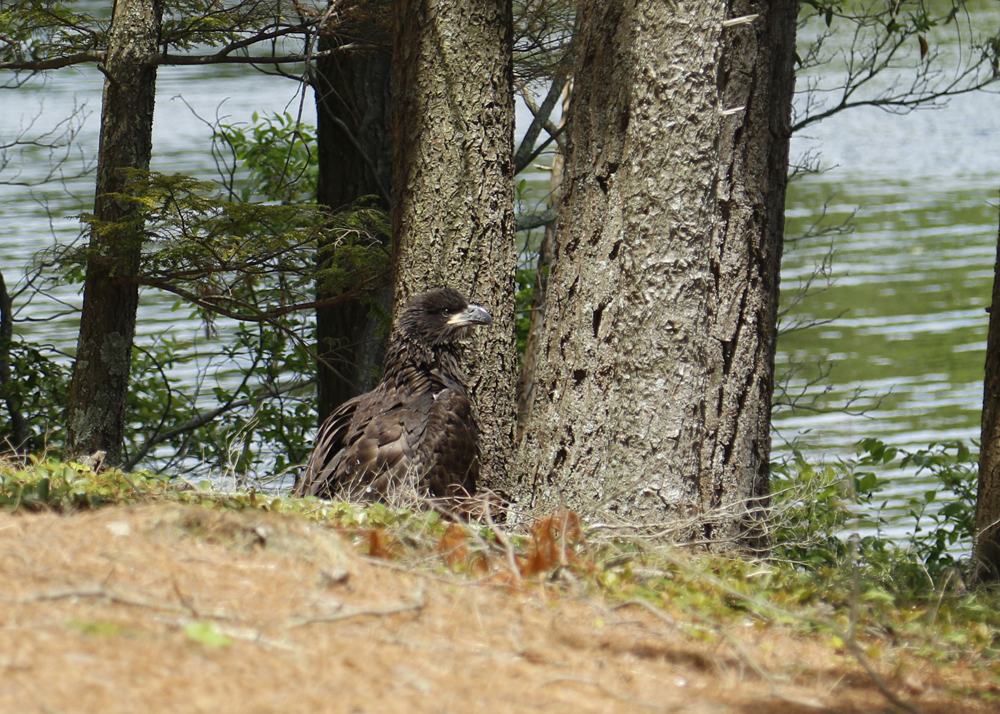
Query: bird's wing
(447, 457)
(366, 446)
(380, 458)
(327, 451)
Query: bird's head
(441, 317)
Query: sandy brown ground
(169, 608)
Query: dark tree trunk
(652, 396)
(453, 210)
(354, 144)
(986, 553)
(17, 436)
(107, 325)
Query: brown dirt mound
(172, 608)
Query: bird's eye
(446, 311)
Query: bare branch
(527, 221)
(96, 56)
(218, 303)
(541, 116)
(201, 420)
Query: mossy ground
(134, 595)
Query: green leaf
(206, 634)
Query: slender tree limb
(419, 603)
(554, 136)
(527, 221)
(522, 158)
(97, 56)
(893, 105)
(169, 60)
(219, 58)
(203, 419)
(216, 303)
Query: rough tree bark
(453, 205)
(107, 324)
(354, 147)
(652, 398)
(986, 551)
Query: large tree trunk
(354, 145)
(107, 325)
(652, 399)
(986, 553)
(453, 205)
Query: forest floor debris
(174, 607)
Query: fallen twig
(419, 603)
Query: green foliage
(249, 272)
(522, 302)
(39, 391)
(277, 154)
(954, 470)
(360, 253)
(819, 507)
(811, 503)
(43, 30)
(249, 261)
(49, 484)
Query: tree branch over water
(69, 39)
(889, 62)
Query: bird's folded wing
(328, 449)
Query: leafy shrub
(822, 509)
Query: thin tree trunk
(652, 398)
(453, 211)
(11, 394)
(986, 552)
(107, 325)
(354, 145)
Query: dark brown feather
(415, 432)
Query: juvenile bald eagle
(415, 431)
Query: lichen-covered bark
(986, 552)
(354, 147)
(652, 397)
(107, 324)
(452, 213)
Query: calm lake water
(905, 339)
(905, 329)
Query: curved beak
(472, 315)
